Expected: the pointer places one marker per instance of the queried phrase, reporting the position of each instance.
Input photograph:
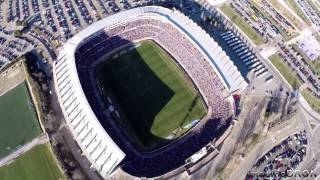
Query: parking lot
(10, 49)
(63, 17)
(281, 158)
(264, 19)
(310, 12)
(46, 24)
(299, 65)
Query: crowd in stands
(193, 62)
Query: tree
(17, 33)
(295, 84)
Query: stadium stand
(93, 127)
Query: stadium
(144, 87)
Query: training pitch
(18, 121)
(36, 164)
(156, 98)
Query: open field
(36, 164)
(313, 101)
(11, 77)
(286, 72)
(296, 8)
(314, 65)
(18, 122)
(244, 26)
(152, 91)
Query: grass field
(18, 121)
(36, 164)
(244, 26)
(286, 72)
(313, 101)
(152, 92)
(296, 8)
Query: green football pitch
(155, 96)
(18, 121)
(36, 164)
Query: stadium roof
(222, 64)
(94, 141)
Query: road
(311, 162)
(262, 148)
(41, 139)
(304, 115)
(312, 159)
(306, 107)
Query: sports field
(18, 121)
(153, 93)
(36, 164)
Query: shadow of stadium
(138, 91)
(158, 163)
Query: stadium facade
(94, 141)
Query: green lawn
(286, 72)
(36, 164)
(313, 101)
(296, 8)
(152, 92)
(244, 26)
(18, 121)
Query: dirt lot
(11, 77)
